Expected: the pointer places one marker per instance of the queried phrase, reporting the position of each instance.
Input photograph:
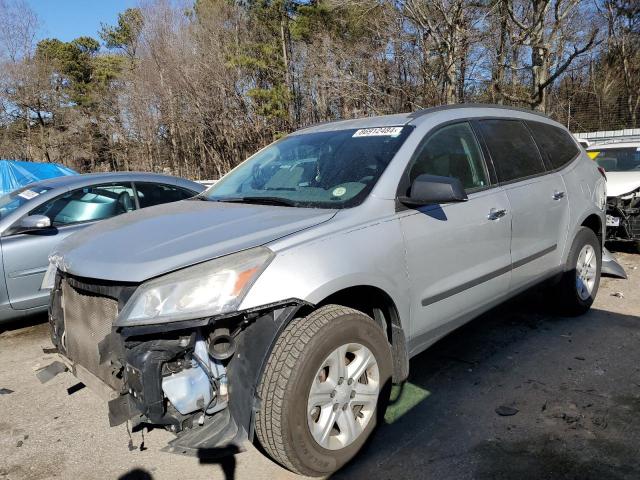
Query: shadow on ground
(18, 324)
(574, 383)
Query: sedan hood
(157, 240)
(621, 183)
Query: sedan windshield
(617, 159)
(335, 169)
(14, 200)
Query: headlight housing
(209, 288)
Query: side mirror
(34, 222)
(433, 189)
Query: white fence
(610, 136)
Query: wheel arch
(594, 222)
(379, 305)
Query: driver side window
(88, 204)
(452, 151)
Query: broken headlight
(209, 288)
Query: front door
(26, 255)
(458, 255)
(26, 258)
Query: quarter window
(557, 145)
(452, 151)
(513, 151)
(88, 204)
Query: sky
(69, 19)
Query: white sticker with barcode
(378, 132)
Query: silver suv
(282, 303)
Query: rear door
(26, 255)
(458, 257)
(538, 200)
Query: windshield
(617, 159)
(14, 200)
(334, 169)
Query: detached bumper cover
(610, 265)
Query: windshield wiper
(259, 200)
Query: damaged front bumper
(623, 218)
(196, 378)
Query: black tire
(281, 421)
(568, 299)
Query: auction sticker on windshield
(28, 194)
(378, 132)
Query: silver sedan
(34, 219)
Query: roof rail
(429, 110)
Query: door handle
(558, 195)
(495, 214)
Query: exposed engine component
(222, 345)
(201, 385)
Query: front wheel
(325, 382)
(580, 281)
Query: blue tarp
(15, 173)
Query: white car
(621, 162)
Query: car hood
(153, 241)
(620, 183)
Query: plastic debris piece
(506, 411)
(47, 373)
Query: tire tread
(272, 389)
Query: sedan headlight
(209, 288)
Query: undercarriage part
(219, 436)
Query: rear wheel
(326, 380)
(580, 281)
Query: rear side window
(150, 194)
(557, 146)
(514, 153)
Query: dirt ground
(572, 386)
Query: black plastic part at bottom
(218, 437)
(122, 409)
